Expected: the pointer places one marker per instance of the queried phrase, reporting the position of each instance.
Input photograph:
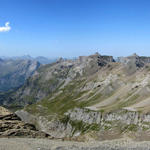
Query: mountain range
(13, 73)
(40, 59)
(93, 96)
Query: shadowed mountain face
(13, 73)
(91, 94)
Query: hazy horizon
(57, 57)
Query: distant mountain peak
(134, 55)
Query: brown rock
(11, 125)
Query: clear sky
(70, 28)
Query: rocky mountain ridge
(41, 59)
(134, 57)
(91, 96)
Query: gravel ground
(45, 144)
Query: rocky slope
(13, 73)
(11, 126)
(61, 74)
(89, 97)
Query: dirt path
(45, 144)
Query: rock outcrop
(139, 61)
(11, 125)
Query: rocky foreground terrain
(17, 135)
(12, 126)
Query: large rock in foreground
(11, 125)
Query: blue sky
(70, 28)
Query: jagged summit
(134, 55)
(133, 62)
(97, 53)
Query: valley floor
(45, 144)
